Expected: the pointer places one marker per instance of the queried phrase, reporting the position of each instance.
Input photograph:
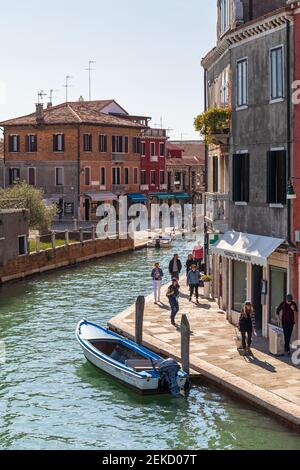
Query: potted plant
(207, 283)
(214, 125)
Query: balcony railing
(153, 158)
(118, 157)
(118, 188)
(217, 206)
(144, 187)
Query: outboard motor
(168, 372)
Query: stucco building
(14, 230)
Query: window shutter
(113, 143)
(10, 143)
(246, 176)
(18, 143)
(90, 143)
(282, 177)
(54, 143)
(27, 143)
(271, 178)
(126, 144)
(63, 142)
(235, 178)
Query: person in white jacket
(157, 275)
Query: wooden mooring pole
(185, 343)
(139, 318)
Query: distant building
(79, 153)
(153, 160)
(1, 164)
(14, 230)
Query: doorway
(257, 278)
(87, 205)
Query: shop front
(254, 268)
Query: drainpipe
(2, 129)
(206, 240)
(78, 170)
(288, 133)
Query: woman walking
(157, 275)
(193, 280)
(247, 325)
(173, 294)
(189, 263)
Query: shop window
(278, 291)
(239, 285)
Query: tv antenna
(160, 124)
(182, 134)
(41, 95)
(51, 95)
(67, 86)
(90, 69)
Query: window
(184, 181)
(224, 15)
(240, 177)
(102, 143)
(31, 143)
(153, 177)
(242, 82)
(239, 285)
(152, 149)
(22, 245)
(224, 88)
(135, 176)
(116, 176)
(126, 175)
(215, 162)
(14, 143)
(143, 177)
(178, 178)
(58, 143)
(102, 176)
(13, 175)
(59, 176)
(277, 73)
(276, 177)
(143, 148)
(119, 144)
(136, 145)
(87, 176)
(161, 177)
(87, 142)
(162, 149)
(31, 176)
(278, 291)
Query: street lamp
(291, 195)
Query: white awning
(245, 247)
(101, 196)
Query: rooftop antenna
(41, 94)
(169, 130)
(89, 69)
(51, 95)
(160, 124)
(182, 134)
(67, 85)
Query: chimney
(40, 113)
(49, 105)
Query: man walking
(287, 314)
(173, 294)
(175, 267)
(193, 280)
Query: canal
(51, 398)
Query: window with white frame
(59, 176)
(242, 82)
(116, 175)
(14, 143)
(31, 176)
(276, 60)
(152, 149)
(135, 176)
(224, 87)
(224, 15)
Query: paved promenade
(270, 383)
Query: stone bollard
(81, 235)
(53, 240)
(67, 237)
(37, 243)
(75, 225)
(94, 233)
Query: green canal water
(51, 398)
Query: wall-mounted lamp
(291, 195)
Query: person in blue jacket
(157, 275)
(173, 295)
(193, 282)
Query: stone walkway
(268, 382)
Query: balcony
(153, 158)
(118, 188)
(118, 157)
(217, 206)
(144, 187)
(155, 133)
(163, 187)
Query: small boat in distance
(129, 363)
(160, 241)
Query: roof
(1, 148)
(192, 148)
(79, 112)
(171, 146)
(184, 161)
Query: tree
(212, 122)
(24, 196)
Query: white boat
(160, 241)
(129, 363)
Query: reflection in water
(51, 398)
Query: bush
(213, 121)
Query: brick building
(79, 153)
(153, 160)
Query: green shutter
(282, 180)
(246, 177)
(236, 177)
(271, 178)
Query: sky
(147, 55)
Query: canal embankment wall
(62, 256)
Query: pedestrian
(193, 282)
(157, 275)
(175, 267)
(287, 315)
(198, 255)
(173, 295)
(247, 325)
(188, 264)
